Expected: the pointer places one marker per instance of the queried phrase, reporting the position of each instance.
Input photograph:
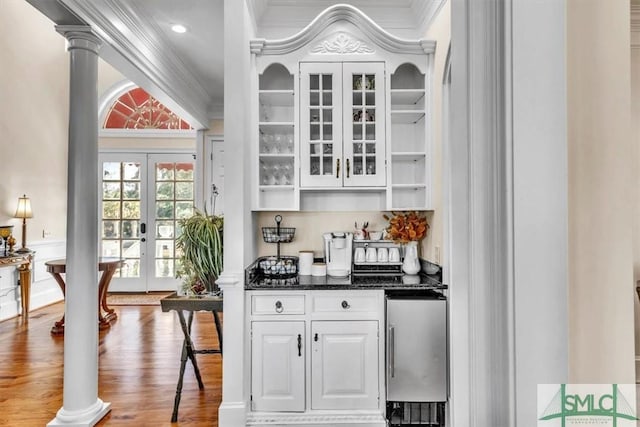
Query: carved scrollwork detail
(342, 44)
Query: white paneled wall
(44, 289)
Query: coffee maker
(337, 253)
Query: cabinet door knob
(279, 307)
(345, 305)
(348, 167)
(337, 168)
(299, 345)
(315, 337)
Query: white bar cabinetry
(343, 118)
(317, 356)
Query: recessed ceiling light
(178, 28)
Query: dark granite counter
(421, 281)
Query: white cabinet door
(321, 125)
(277, 366)
(344, 359)
(364, 124)
(342, 124)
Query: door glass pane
(184, 190)
(110, 210)
(131, 171)
(314, 81)
(357, 165)
(184, 172)
(314, 166)
(130, 229)
(371, 165)
(121, 215)
(327, 165)
(131, 268)
(164, 190)
(327, 132)
(131, 210)
(171, 205)
(327, 81)
(111, 171)
(111, 190)
(131, 190)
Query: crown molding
(426, 13)
(140, 42)
(331, 15)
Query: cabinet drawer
(345, 304)
(277, 304)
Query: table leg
(218, 329)
(103, 287)
(187, 353)
(58, 327)
(25, 288)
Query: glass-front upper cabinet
(341, 142)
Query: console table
(108, 267)
(192, 303)
(23, 262)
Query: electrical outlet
(45, 233)
(436, 251)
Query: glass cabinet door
(364, 124)
(321, 125)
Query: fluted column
(81, 405)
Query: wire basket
(278, 267)
(278, 234)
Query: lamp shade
(24, 208)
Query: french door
(142, 197)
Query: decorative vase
(411, 263)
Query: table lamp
(24, 212)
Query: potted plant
(200, 246)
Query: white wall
(601, 286)
(635, 137)
(34, 107)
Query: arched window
(136, 109)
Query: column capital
(80, 37)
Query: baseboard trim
(312, 420)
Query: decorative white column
(81, 405)
(238, 222)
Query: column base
(85, 418)
(232, 414)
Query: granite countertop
(421, 281)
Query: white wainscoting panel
(44, 289)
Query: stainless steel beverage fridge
(416, 359)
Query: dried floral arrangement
(406, 226)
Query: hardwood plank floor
(139, 361)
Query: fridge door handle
(392, 351)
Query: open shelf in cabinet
(408, 169)
(409, 197)
(277, 197)
(275, 187)
(408, 97)
(413, 117)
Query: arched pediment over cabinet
(337, 42)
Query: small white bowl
(375, 235)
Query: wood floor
(138, 369)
